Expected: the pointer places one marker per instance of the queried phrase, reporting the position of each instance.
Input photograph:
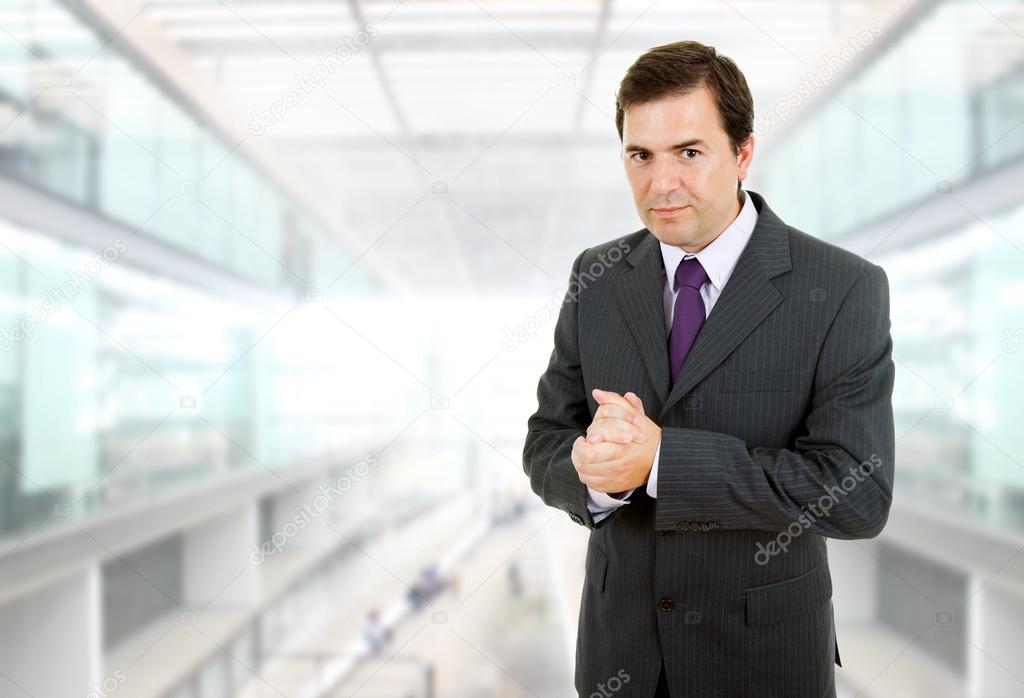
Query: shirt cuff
(602, 501)
(652, 479)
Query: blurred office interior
(279, 279)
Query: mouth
(667, 212)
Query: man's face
(682, 168)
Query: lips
(668, 211)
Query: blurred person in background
(374, 632)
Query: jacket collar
(746, 300)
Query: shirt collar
(720, 256)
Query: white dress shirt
(718, 259)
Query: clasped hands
(618, 451)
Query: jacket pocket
(789, 598)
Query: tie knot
(690, 273)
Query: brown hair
(683, 66)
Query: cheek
(697, 184)
(725, 173)
(708, 182)
(638, 183)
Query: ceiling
(471, 144)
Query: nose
(664, 176)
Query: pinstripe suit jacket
(777, 434)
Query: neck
(730, 217)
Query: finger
(613, 434)
(605, 469)
(597, 458)
(596, 482)
(635, 401)
(614, 409)
(583, 448)
(596, 437)
(586, 447)
(582, 453)
(607, 396)
(600, 480)
(615, 429)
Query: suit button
(666, 605)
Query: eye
(690, 150)
(635, 155)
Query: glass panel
(917, 115)
(85, 123)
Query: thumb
(635, 401)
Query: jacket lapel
(747, 299)
(640, 295)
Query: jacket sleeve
(837, 481)
(562, 415)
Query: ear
(745, 157)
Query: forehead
(668, 120)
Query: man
(718, 402)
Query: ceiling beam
(455, 257)
(477, 42)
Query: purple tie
(688, 316)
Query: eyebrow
(685, 144)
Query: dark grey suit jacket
(777, 434)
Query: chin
(670, 234)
